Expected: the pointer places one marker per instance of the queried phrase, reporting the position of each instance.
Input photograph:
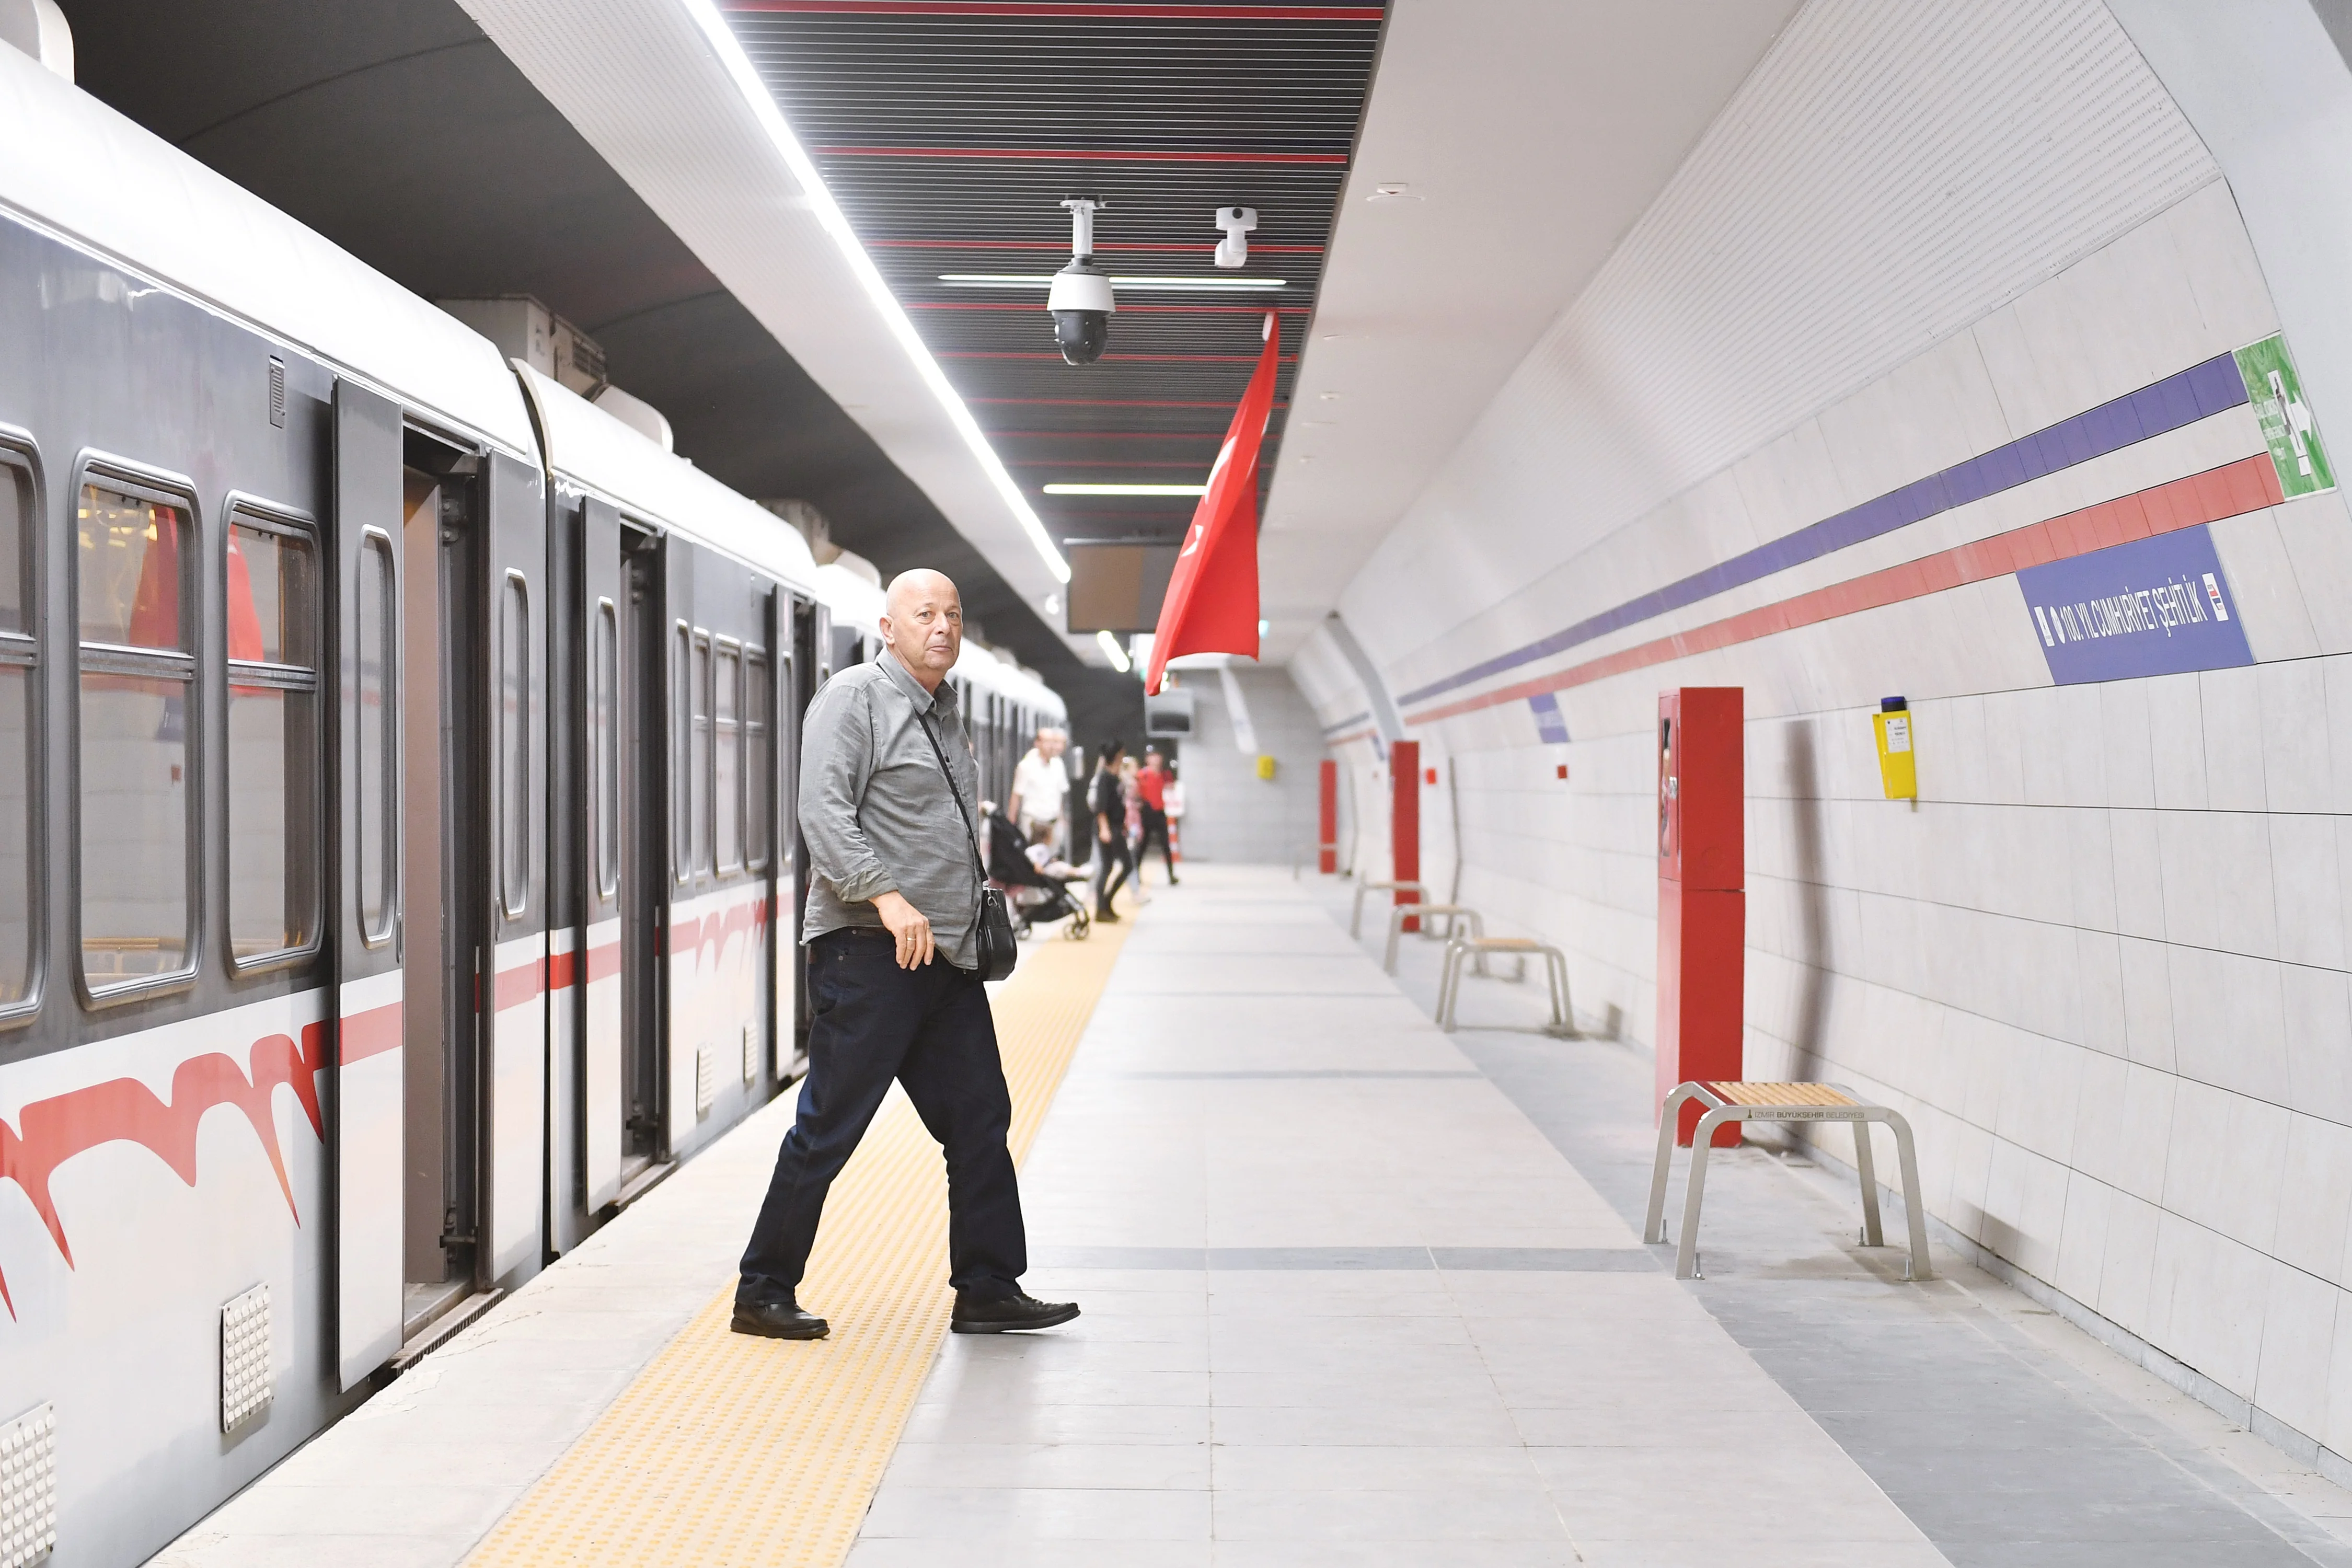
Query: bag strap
(972, 834)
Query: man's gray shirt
(876, 810)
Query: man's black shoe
(1007, 1313)
(777, 1319)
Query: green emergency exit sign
(2276, 393)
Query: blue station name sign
(2151, 607)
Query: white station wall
(2103, 964)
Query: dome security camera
(1081, 298)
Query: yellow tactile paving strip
(732, 1450)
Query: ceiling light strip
(1258, 311)
(1046, 10)
(1113, 652)
(1067, 489)
(737, 65)
(1046, 280)
(1055, 244)
(1087, 155)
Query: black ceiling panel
(950, 130)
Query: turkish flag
(1212, 603)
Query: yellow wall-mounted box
(1897, 762)
(1264, 765)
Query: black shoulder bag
(1000, 949)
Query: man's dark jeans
(930, 1028)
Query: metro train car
(397, 861)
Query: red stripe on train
(50, 1131)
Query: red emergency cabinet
(1702, 896)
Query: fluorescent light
(1148, 285)
(1262, 626)
(1112, 651)
(737, 65)
(1068, 490)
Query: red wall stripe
(2247, 485)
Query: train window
(16, 677)
(514, 747)
(681, 747)
(379, 776)
(727, 766)
(274, 745)
(138, 683)
(16, 503)
(604, 759)
(758, 764)
(698, 765)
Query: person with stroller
(1035, 884)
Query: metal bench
(1726, 1101)
(1356, 920)
(1456, 917)
(1463, 950)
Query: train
(398, 868)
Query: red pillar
(1701, 901)
(1404, 819)
(1326, 859)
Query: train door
(799, 685)
(644, 859)
(439, 696)
(364, 927)
(515, 915)
(601, 831)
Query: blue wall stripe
(2180, 399)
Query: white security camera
(1081, 300)
(1234, 249)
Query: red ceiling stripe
(1054, 9)
(1058, 245)
(1085, 155)
(1118, 359)
(1123, 310)
(1102, 403)
(2247, 485)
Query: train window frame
(604, 748)
(240, 509)
(681, 752)
(21, 460)
(379, 541)
(513, 797)
(158, 487)
(726, 651)
(759, 766)
(702, 736)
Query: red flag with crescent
(1212, 603)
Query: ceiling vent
(526, 329)
(636, 414)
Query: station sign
(2148, 607)
(2285, 420)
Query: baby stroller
(1032, 895)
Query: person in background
(1152, 784)
(1041, 790)
(1111, 847)
(1130, 805)
(1174, 793)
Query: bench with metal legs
(1462, 950)
(1787, 1102)
(1356, 920)
(1456, 917)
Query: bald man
(893, 901)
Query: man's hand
(1102, 827)
(908, 925)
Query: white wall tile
(2298, 1339)
(2316, 1198)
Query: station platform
(1356, 1291)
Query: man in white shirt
(1041, 789)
